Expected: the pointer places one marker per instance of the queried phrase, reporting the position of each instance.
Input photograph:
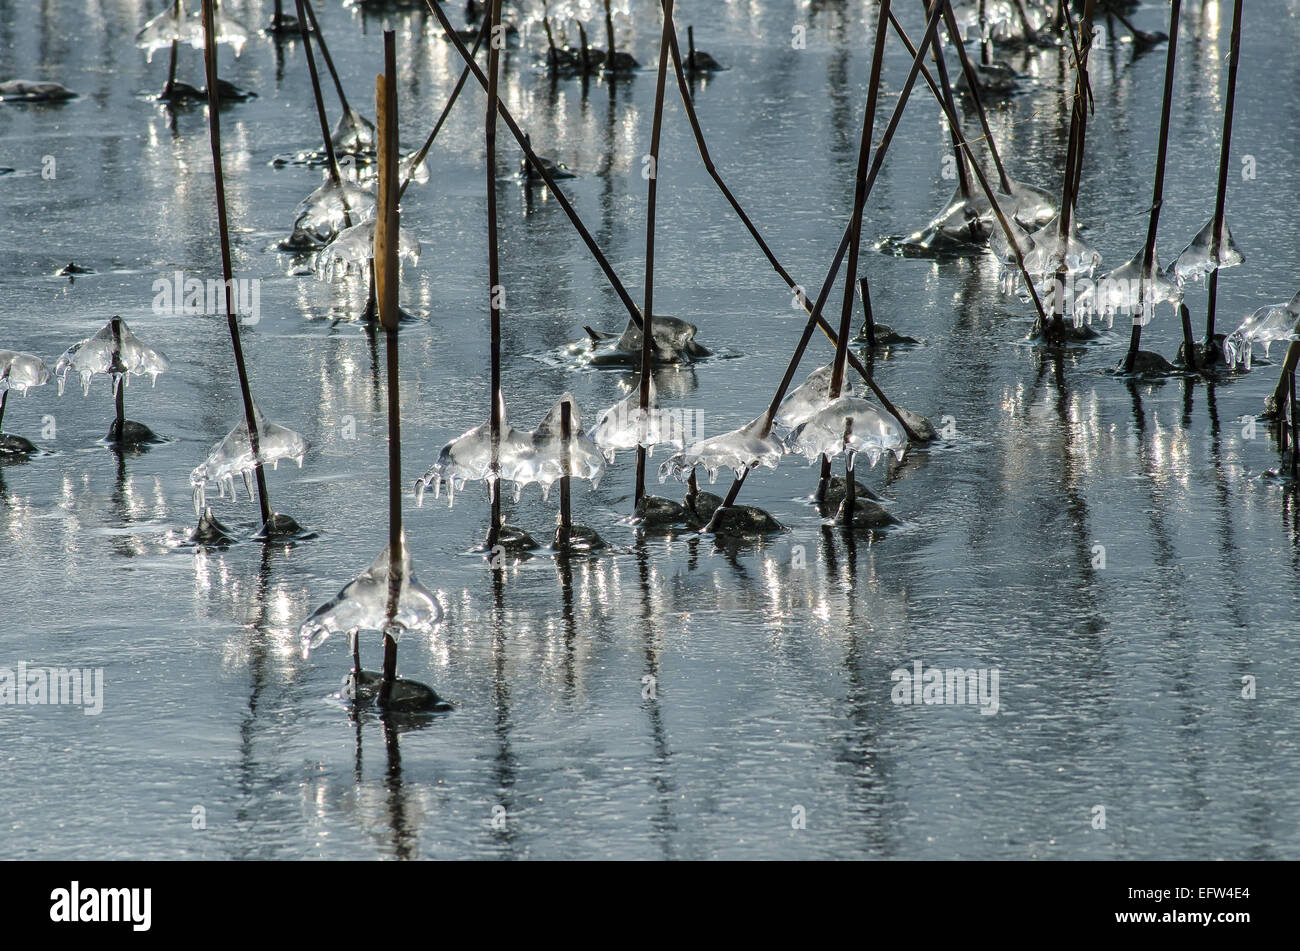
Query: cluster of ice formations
(22, 371)
(364, 605)
(1265, 326)
(1044, 252)
(970, 220)
(816, 425)
(233, 456)
(739, 450)
(523, 457)
(350, 252)
(545, 463)
(808, 397)
(873, 433)
(353, 134)
(627, 425)
(999, 18)
(331, 208)
(1128, 290)
(1197, 259)
(96, 355)
(175, 25)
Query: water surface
(1120, 685)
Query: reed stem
(1031, 35)
(171, 62)
(1288, 369)
(586, 50)
(1189, 343)
(609, 39)
(1158, 189)
(494, 271)
(869, 320)
(325, 52)
(385, 267)
(815, 312)
(446, 110)
(227, 271)
(330, 157)
(941, 68)
(850, 484)
(647, 312)
(1295, 454)
(859, 201)
(540, 169)
(972, 84)
(119, 425)
(1221, 194)
(566, 517)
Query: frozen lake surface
(1120, 683)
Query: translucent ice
(1268, 324)
(351, 251)
(1128, 290)
(562, 12)
(1196, 260)
(95, 355)
(364, 605)
(1001, 20)
(22, 371)
(233, 456)
(873, 434)
(543, 463)
(1079, 257)
(809, 397)
(1030, 206)
(626, 425)
(738, 450)
(229, 31)
(408, 168)
(468, 458)
(174, 24)
(331, 207)
(998, 19)
(353, 134)
(963, 221)
(1010, 277)
(1043, 253)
